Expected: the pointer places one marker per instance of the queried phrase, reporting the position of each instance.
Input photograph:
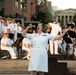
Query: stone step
(14, 71)
(72, 69)
(20, 67)
(14, 67)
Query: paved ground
(14, 74)
(19, 67)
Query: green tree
(2, 12)
(74, 19)
(44, 17)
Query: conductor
(39, 57)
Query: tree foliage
(2, 12)
(43, 17)
(74, 19)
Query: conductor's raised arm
(25, 31)
(60, 36)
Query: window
(16, 4)
(20, 0)
(1, 2)
(20, 6)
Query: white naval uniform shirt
(12, 26)
(5, 29)
(25, 41)
(6, 41)
(19, 29)
(55, 29)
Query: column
(67, 18)
(64, 20)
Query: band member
(26, 46)
(6, 44)
(69, 37)
(62, 43)
(56, 29)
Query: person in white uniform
(6, 44)
(62, 43)
(26, 46)
(1, 27)
(6, 27)
(39, 57)
(55, 30)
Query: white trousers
(28, 50)
(53, 47)
(12, 51)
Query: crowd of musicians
(11, 39)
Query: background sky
(64, 4)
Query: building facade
(65, 16)
(20, 8)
